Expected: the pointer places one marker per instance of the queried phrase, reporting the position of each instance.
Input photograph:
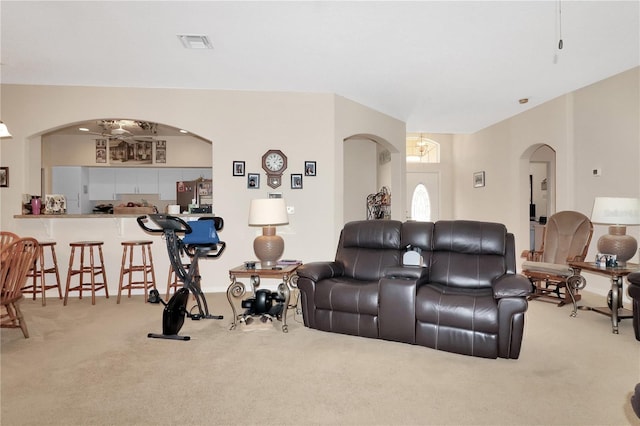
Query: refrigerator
(198, 192)
(72, 182)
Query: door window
(421, 204)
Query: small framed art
(101, 150)
(4, 177)
(296, 181)
(478, 179)
(161, 151)
(253, 181)
(309, 168)
(238, 168)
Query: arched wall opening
(538, 182)
(172, 153)
(367, 168)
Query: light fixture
(4, 132)
(268, 213)
(193, 41)
(419, 151)
(618, 213)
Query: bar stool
(146, 268)
(39, 273)
(94, 268)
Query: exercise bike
(200, 241)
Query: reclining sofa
(465, 297)
(634, 293)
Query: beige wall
(241, 126)
(597, 126)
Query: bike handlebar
(164, 222)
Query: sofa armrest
(406, 272)
(316, 271)
(511, 285)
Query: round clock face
(274, 162)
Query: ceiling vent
(195, 41)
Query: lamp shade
(4, 132)
(268, 212)
(616, 211)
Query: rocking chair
(566, 238)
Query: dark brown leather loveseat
(634, 293)
(466, 298)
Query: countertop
(98, 216)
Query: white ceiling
(441, 66)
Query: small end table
(617, 312)
(236, 290)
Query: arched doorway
(541, 189)
(367, 168)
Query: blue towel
(202, 232)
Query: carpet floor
(94, 365)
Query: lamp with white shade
(618, 213)
(268, 213)
(4, 131)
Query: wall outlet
(291, 210)
(596, 172)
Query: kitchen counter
(118, 222)
(99, 216)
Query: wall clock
(274, 162)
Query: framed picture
(296, 181)
(253, 181)
(478, 179)
(161, 151)
(55, 204)
(101, 150)
(309, 168)
(238, 168)
(4, 177)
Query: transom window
(422, 150)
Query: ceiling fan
(111, 132)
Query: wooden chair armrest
(533, 255)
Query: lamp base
(268, 247)
(619, 243)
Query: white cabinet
(136, 180)
(102, 183)
(148, 181)
(167, 179)
(72, 182)
(106, 183)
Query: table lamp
(268, 213)
(4, 131)
(618, 213)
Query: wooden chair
(566, 238)
(7, 238)
(18, 258)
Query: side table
(617, 312)
(236, 290)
